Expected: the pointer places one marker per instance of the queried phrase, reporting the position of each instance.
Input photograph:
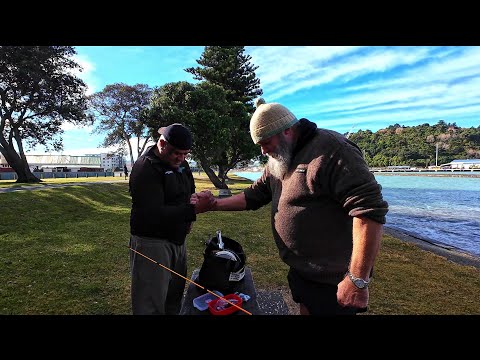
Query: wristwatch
(358, 282)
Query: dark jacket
(327, 184)
(161, 198)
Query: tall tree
(118, 108)
(38, 91)
(203, 108)
(230, 68)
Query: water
(443, 210)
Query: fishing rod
(191, 281)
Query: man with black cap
(327, 209)
(161, 185)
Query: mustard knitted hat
(269, 119)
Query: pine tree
(230, 68)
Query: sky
(341, 88)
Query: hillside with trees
(416, 146)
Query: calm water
(443, 210)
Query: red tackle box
(228, 308)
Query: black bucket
(222, 269)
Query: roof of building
(471, 161)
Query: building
(462, 164)
(63, 163)
(3, 162)
(69, 163)
(110, 161)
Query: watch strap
(358, 282)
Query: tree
(205, 110)
(119, 108)
(230, 68)
(38, 91)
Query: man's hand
(349, 295)
(203, 201)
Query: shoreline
(462, 174)
(473, 176)
(450, 253)
(457, 174)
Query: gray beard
(278, 163)
(278, 168)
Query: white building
(3, 162)
(110, 161)
(463, 164)
(61, 163)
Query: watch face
(359, 283)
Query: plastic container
(221, 307)
(201, 302)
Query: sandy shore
(451, 254)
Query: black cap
(177, 135)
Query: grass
(63, 251)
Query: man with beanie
(327, 210)
(162, 213)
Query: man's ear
(288, 132)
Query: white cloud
(373, 84)
(350, 63)
(87, 74)
(66, 126)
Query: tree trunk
(20, 166)
(222, 175)
(212, 176)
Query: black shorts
(318, 298)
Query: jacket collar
(307, 130)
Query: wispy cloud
(87, 74)
(374, 85)
(319, 66)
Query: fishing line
(191, 281)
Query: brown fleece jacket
(327, 184)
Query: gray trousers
(155, 290)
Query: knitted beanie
(269, 119)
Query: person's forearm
(232, 203)
(367, 235)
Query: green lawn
(63, 251)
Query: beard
(279, 161)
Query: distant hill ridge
(417, 145)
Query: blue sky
(342, 88)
